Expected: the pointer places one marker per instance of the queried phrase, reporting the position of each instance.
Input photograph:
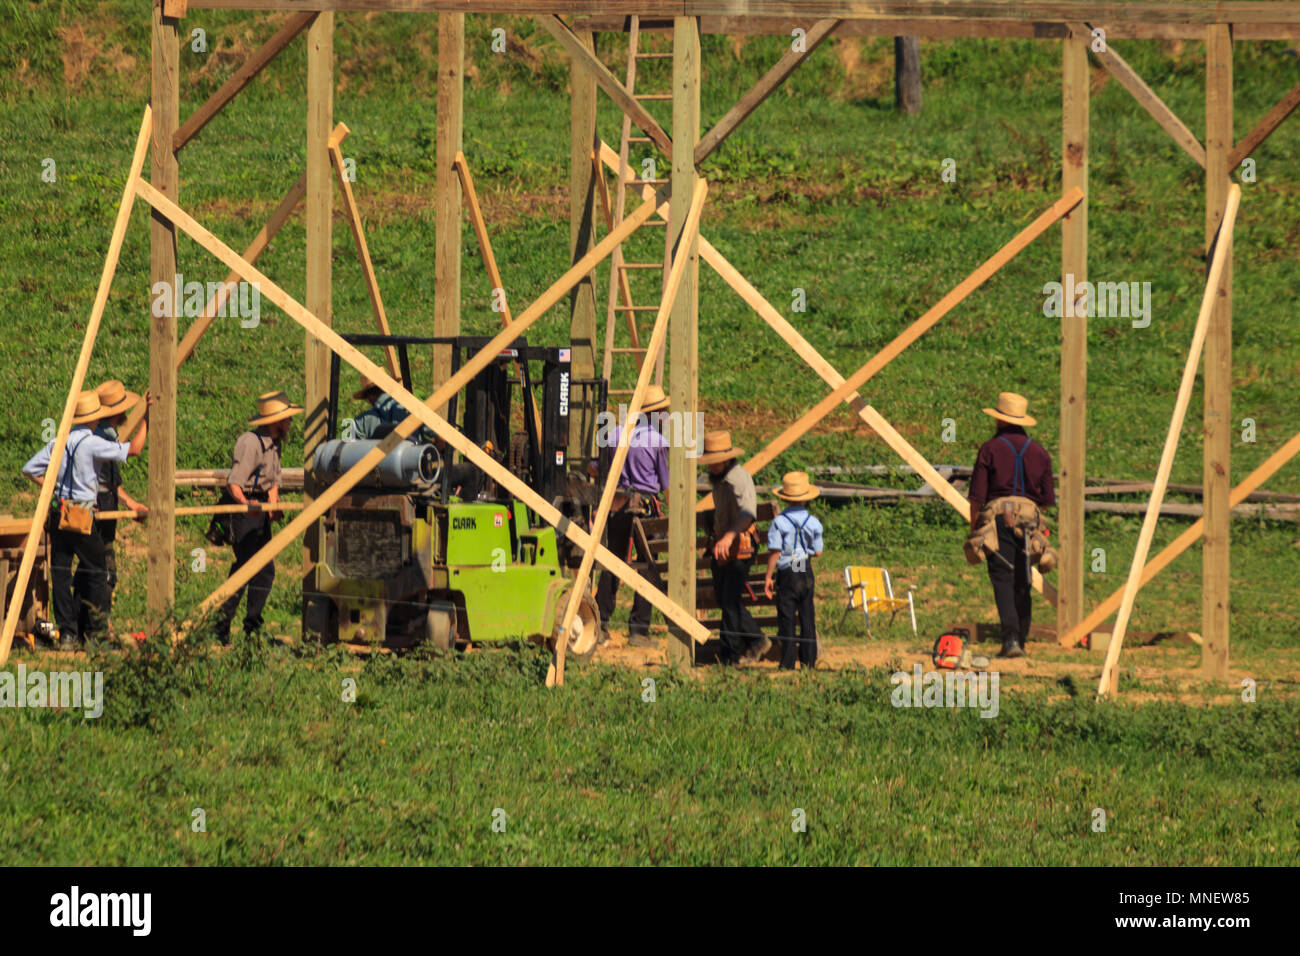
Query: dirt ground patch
(1153, 672)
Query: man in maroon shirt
(1011, 466)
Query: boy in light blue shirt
(793, 538)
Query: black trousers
(739, 629)
(618, 538)
(81, 580)
(80, 603)
(1010, 575)
(251, 532)
(794, 606)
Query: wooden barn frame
(575, 23)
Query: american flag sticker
(564, 355)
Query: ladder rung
(628, 351)
(638, 139)
(620, 391)
(641, 265)
(637, 308)
(652, 96)
(653, 56)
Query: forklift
(404, 558)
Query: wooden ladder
(620, 288)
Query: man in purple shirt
(1009, 468)
(640, 485)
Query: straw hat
(88, 409)
(274, 407)
(115, 397)
(1011, 408)
(655, 399)
(366, 386)
(795, 486)
(717, 447)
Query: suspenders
(1018, 483)
(68, 466)
(803, 542)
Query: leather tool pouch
(75, 517)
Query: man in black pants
(255, 479)
(76, 491)
(1013, 474)
(735, 508)
(643, 480)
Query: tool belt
(743, 545)
(637, 503)
(1024, 518)
(77, 517)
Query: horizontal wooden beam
(1146, 97)
(1187, 12)
(1264, 128)
(932, 29)
(230, 89)
(203, 510)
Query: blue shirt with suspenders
(79, 472)
(798, 535)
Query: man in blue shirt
(78, 485)
(793, 538)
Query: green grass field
(825, 190)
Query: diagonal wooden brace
(421, 412)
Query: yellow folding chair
(872, 590)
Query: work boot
(758, 648)
(637, 639)
(1011, 649)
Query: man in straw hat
(793, 538)
(735, 508)
(117, 401)
(1011, 481)
(640, 485)
(73, 532)
(255, 480)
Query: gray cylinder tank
(406, 465)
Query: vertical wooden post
(447, 212)
(582, 237)
(1218, 362)
(160, 533)
(907, 74)
(319, 220)
(1074, 332)
(683, 386)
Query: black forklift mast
(543, 461)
